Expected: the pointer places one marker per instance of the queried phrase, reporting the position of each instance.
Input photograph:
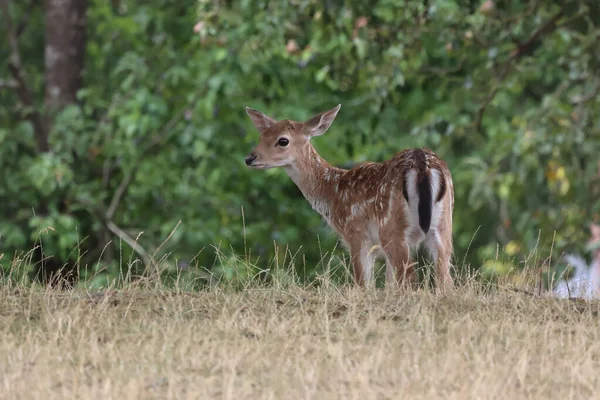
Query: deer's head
(282, 142)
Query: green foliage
(506, 96)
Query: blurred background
(123, 131)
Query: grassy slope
(296, 343)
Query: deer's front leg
(362, 262)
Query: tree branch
(491, 96)
(132, 243)
(106, 216)
(164, 134)
(97, 211)
(20, 78)
(528, 46)
(522, 49)
(443, 71)
(123, 186)
(592, 95)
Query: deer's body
(378, 209)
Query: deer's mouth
(259, 166)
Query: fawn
(378, 209)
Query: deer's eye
(283, 142)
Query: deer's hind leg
(439, 247)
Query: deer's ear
(260, 120)
(319, 124)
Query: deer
(378, 209)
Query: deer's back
(378, 176)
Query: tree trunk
(64, 54)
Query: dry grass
(296, 343)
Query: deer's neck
(316, 179)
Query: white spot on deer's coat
(356, 209)
(348, 219)
(388, 213)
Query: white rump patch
(438, 208)
(413, 233)
(436, 178)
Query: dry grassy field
(296, 343)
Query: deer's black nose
(249, 158)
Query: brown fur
(368, 205)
